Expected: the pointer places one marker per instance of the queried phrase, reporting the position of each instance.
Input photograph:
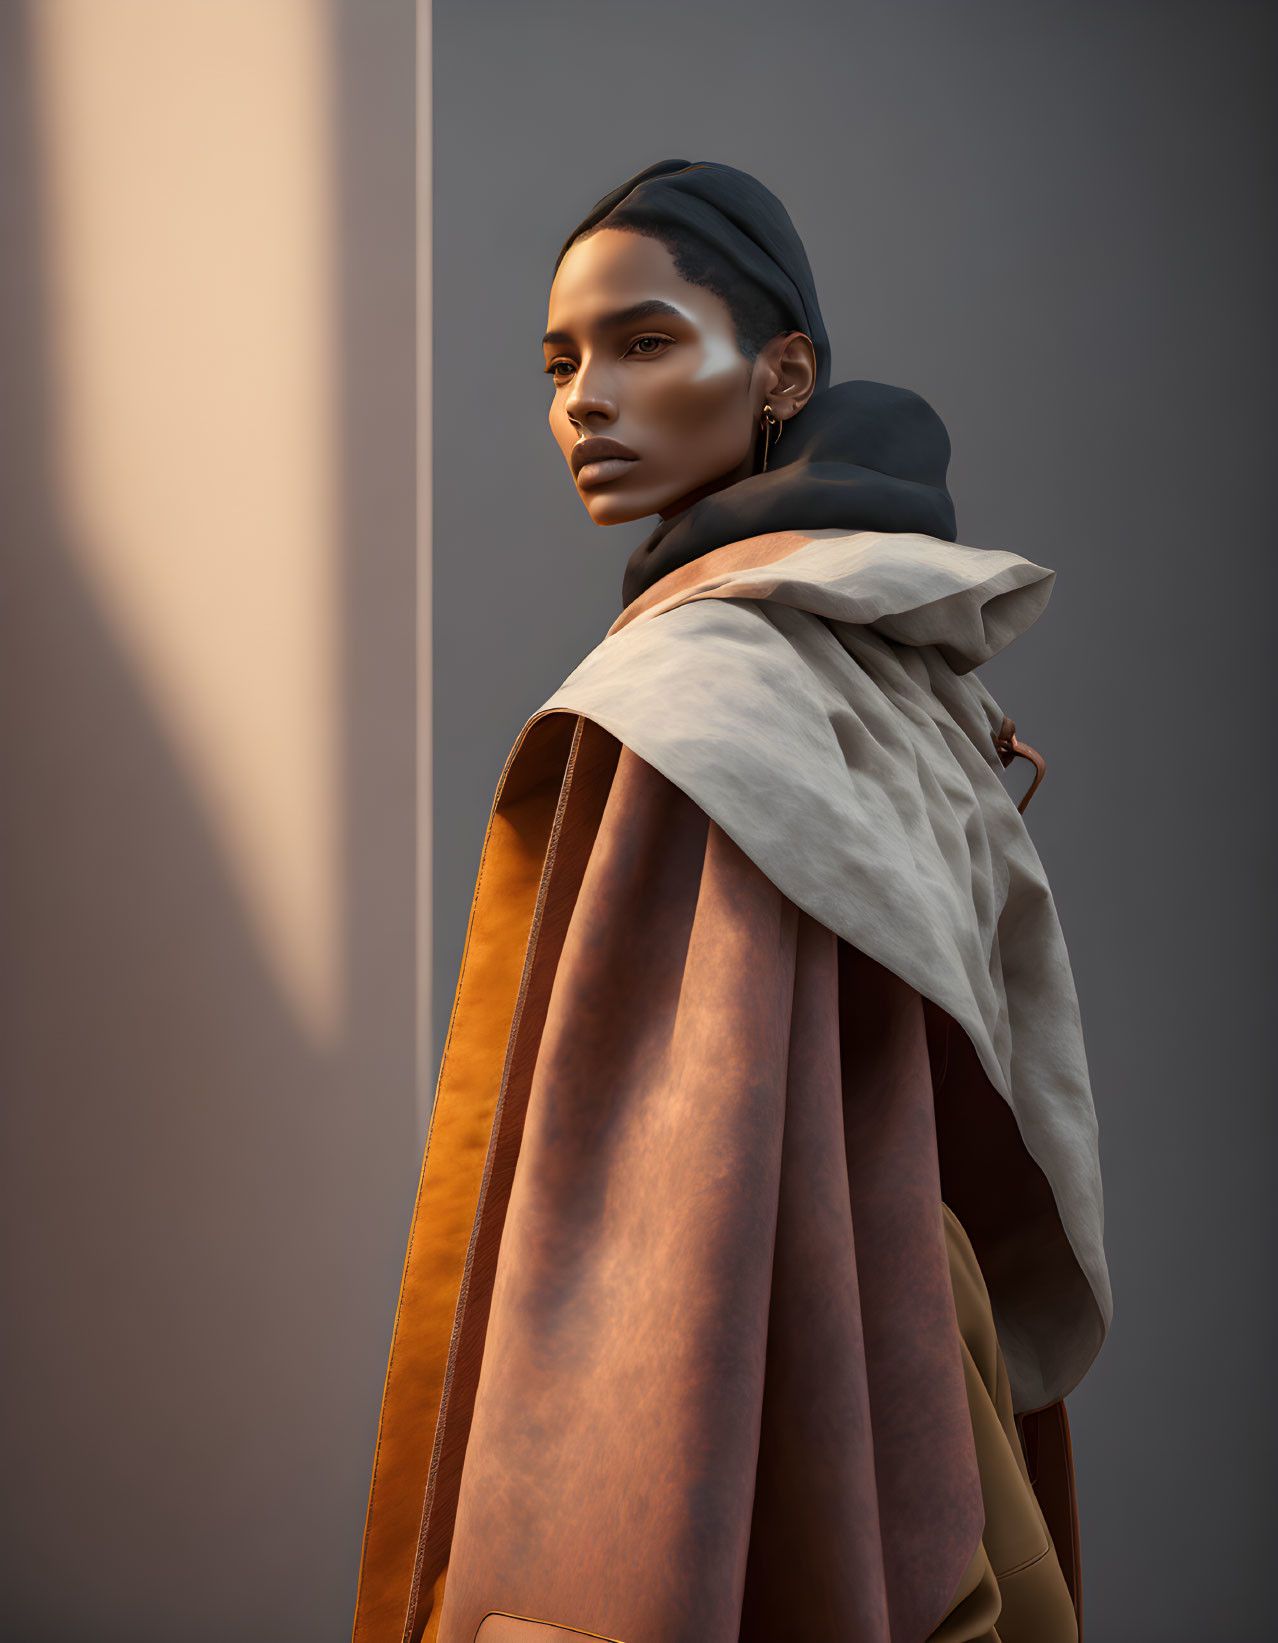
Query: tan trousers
(1014, 1590)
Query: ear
(786, 373)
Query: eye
(558, 365)
(648, 353)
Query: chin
(619, 506)
(607, 508)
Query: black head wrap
(860, 455)
(740, 219)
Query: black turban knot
(860, 455)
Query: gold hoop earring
(770, 420)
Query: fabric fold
(674, 1325)
(722, 1392)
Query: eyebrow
(623, 316)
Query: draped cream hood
(815, 694)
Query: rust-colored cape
(688, 1347)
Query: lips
(595, 461)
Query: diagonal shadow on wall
(204, 1212)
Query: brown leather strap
(587, 777)
(1008, 748)
(531, 797)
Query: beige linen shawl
(813, 692)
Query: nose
(591, 399)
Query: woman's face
(643, 359)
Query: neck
(743, 470)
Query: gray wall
(1056, 223)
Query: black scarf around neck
(861, 456)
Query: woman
(764, 1095)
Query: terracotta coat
(692, 1344)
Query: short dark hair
(756, 316)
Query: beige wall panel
(215, 768)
